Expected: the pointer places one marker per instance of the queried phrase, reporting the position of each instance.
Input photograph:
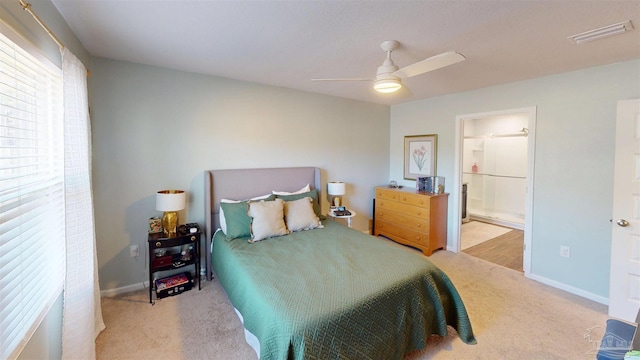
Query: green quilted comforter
(336, 293)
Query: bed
(330, 292)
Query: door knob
(622, 222)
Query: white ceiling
(287, 43)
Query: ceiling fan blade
(404, 92)
(429, 64)
(343, 79)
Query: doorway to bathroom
(496, 176)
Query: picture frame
(420, 156)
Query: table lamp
(336, 189)
(170, 201)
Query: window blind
(31, 192)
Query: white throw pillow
(267, 219)
(305, 189)
(299, 215)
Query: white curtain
(82, 316)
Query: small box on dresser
(412, 217)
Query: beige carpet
(512, 317)
(476, 232)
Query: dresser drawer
(402, 234)
(402, 197)
(416, 223)
(408, 210)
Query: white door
(624, 290)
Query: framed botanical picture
(420, 156)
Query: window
(31, 191)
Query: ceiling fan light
(387, 85)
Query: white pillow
(299, 215)
(267, 219)
(223, 220)
(305, 189)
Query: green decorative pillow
(238, 222)
(313, 194)
(234, 217)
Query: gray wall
(155, 129)
(573, 183)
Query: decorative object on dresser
(430, 184)
(155, 225)
(412, 217)
(335, 190)
(420, 155)
(170, 201)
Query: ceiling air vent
(602, 32)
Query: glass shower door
(495, 170)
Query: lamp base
(337, 201)
(170, 223)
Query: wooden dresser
(411, 217)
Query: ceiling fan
(389, 76)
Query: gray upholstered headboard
(240, 184)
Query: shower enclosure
(495, 170)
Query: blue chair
(619, 337)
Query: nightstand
(167, 254)
(348, 217)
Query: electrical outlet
(565, 251)
(134, 250)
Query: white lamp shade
(170, 200)
(336, 188)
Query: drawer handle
(158, 244)
(404, 198)
(193, 238)
(419, 225)
(419, 213)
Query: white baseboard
(124, 289)
(570, 289)
(558, 285)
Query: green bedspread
(336, 293)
